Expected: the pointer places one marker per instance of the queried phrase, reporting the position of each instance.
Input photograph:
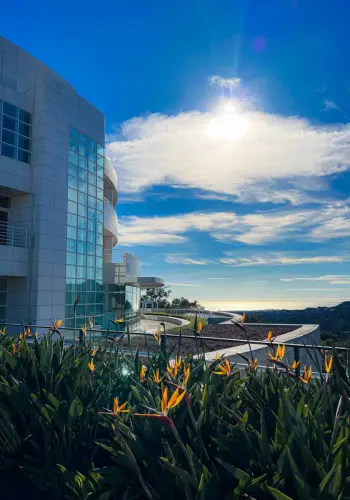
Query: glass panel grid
(84, 230)
(15, 132)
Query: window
(15, 132)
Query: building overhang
(150, 282)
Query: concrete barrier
(305, 334)
(166, 319)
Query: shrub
(187, 430)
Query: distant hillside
(334, 320)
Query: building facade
(58, 192)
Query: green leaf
(278, 495)
(76, 408)
(332, 484)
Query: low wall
(166, 319)
(305, 334)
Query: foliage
(188, 317)
(185, 431)
(158, 295)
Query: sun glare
(227, 125)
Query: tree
(158, 295)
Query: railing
(13, 236)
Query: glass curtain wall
(84, 230)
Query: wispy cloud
(316, 224)
(332, 279)
(272, 261)
(183, 284)
(181, 259)
(275, 152)
(226, 83)
(328, 105)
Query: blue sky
(228, 126)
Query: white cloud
(226, 83)
(270, 260)
(182, 259)
(275, 153)
(335, 279)
(316, 224)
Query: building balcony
(110, 223)
(14, 255)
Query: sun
(228, 125)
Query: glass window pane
(100, 171)
(82, 210)
(72, 220)
(92, 156)
(23, 156)
(73, 147)
(91, 248)
(83, 139)
(92, 167)
(72, 207)
(82, 150)
(82, 186)
(99, 239)
(99, 194)
(99, 227)
(3, 285)
(72, 182)
(71, 258)
(91, 202)
(70, 271)
(8, 151)
(100, 149)
(100, 205)
(82, 174)
(100, 161)
(99, 274)
(99, 216)
(81, 234)
(9, 137)
(92, 179)
(92, 145)
(91, 261)
(99, 262)
(82, 223)
(81, 259)
(83, 162)
(73, 134)
(81, 286)
(91, 273)
(99, 251)
(73, 157)
(82, 198)
(24, 116)
(72, 194)
(100, 182)
(81, 272)
(71, 232)
(81, 245)
(92, 237)
(72, 169)
(91, 225)
(10, 109)
(71, 245)
(91, 213)
(9, 123)
(24, 143)
(24, 129)
(92, 190)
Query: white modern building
(58, 224)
